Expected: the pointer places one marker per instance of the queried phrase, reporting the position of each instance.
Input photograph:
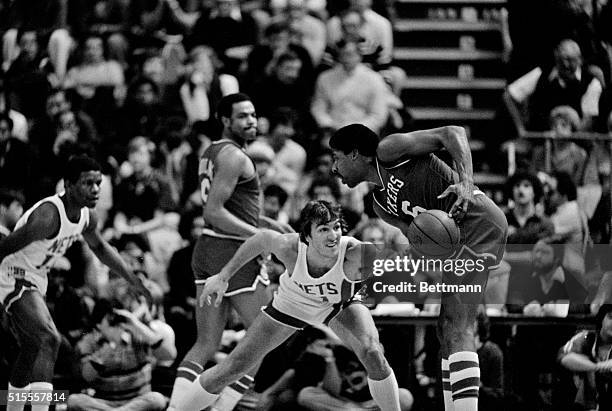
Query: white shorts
(16, 281)
(298, 315)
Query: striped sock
(231, 395)
(186, 373)
(465, 380)
(446, 386)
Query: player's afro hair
(355, 137)
(78, 164)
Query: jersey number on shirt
(411, 211)
(207, 168)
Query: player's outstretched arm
(264, 242)
(43, 223)
(108, 255)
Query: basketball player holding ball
(409, 180)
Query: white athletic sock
(40, 387)
(186, 373)
(385, 392)
(16, 406)
(231, 395)
(465, 380)
(195, 398)
(446, 386)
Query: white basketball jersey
(313, 299)
(38, 257)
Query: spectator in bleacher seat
(297, 363)
(117, 358)
(569, 220)
(263, 155)
(224, 27)
(350, 93)
(546, 293)
(143, 195)
(526, 222)
(204, 87)
(352, 24)
(263, 59)
(141, 115)
(108, 19)
(569, 82)
(289, 157)
(43, 136)
(566, 155)
(152, 25)
(27, 77)
(587, 355)
(344, 385)
(274, 200)
(15, 158)
(20, 123)
(284, 87)
(375, 29)
(49, 22)
(526, 225)
(307, 30)
(99, 82)
(11, 209)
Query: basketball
(433, 234)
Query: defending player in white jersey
(323, 269)
(41, 235)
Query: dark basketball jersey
(412, 186)
(244, 201)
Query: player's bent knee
(155, 401)
(308, 395)
(406, 399)
(371, 353)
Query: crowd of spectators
(135, 84)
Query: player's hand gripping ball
(433, 234)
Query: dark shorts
(210, 254)
(483, 237)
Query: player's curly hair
(78, 164)
(318, 212)
(355, 137)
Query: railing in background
(549, 137)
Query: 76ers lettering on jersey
(412, 186)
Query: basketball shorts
(16, 281)
(483, 241)
(210, 255)
(298, 315)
